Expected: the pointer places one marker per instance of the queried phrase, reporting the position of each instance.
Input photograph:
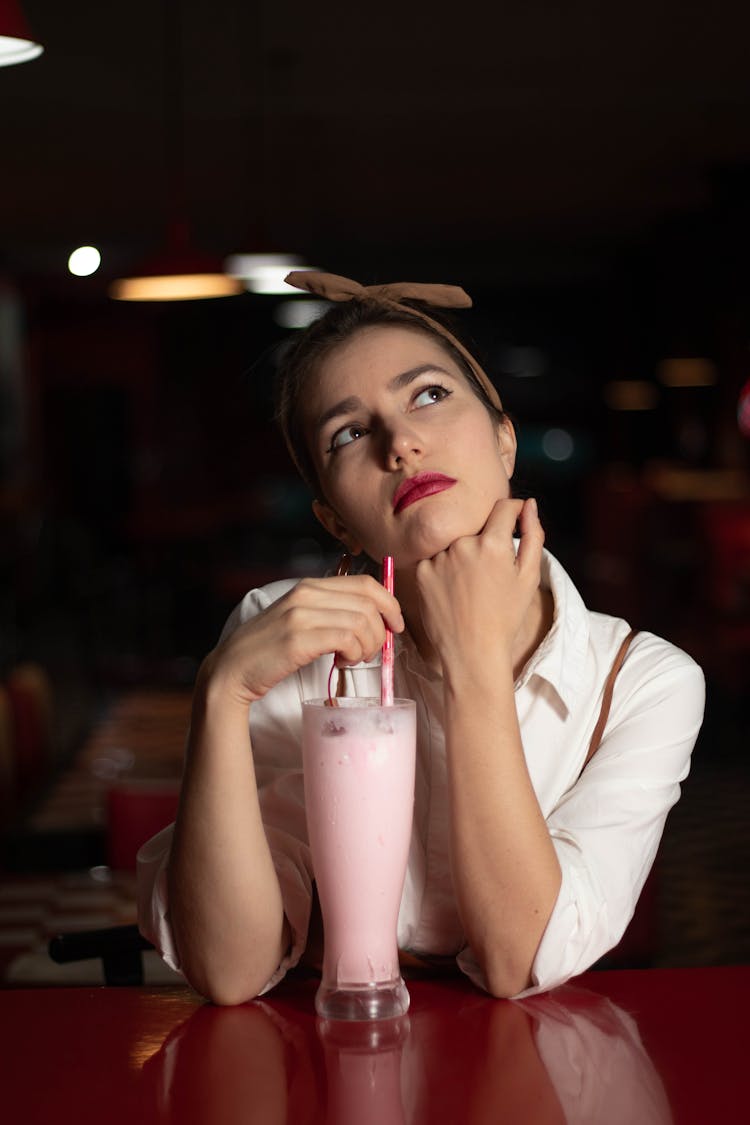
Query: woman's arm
(505, 869)
(476, 600)
(606, 828)
(225, 904)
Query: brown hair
(303, 357)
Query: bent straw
(342, 570)
(386, 667)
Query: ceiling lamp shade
(178, 273)
(17, 44)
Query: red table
(613, 1048)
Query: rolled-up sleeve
(153, 914)
(607, 828)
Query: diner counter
(632, 1047)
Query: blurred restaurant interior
(583, 173)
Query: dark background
(583, 170)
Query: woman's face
(407, 457)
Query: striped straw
(386, 667)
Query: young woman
(539, 806)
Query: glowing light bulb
(84, 261)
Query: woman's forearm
(225, 903)
(505, 870)
(482, 610)
(226, 908)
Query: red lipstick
(419, 486)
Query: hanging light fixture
(179, 271)
(17, 44)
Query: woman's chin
(430, 543)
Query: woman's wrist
(216, 691)
(478, 672)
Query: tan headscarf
(331, 287)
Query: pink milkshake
(359, 795)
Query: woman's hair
(303, 358)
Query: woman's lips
(416, 488)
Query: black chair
(120, 949)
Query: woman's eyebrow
(406, 377)
(352, 404)
(346, 406)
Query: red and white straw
(386, 667)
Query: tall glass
(359, 760)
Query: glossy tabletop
(621, 1048)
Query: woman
(524, 866)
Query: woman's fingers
(352, 634)
(480, 587)
(502, 519)
(358, 591)
(529, 555)
(501, 524)
(346, 616)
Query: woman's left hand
(475, 595)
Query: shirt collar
(561, 657)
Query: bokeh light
(558, 445)
(84, 261)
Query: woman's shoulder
(655, 672)
(255, 601)
(646, 649)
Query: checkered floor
(141, 737)
(35, 908)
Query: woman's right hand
(343, 615)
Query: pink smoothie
(359, 797)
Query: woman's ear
(506, 440)
(333, 525)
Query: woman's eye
(345, 436)
(431, 394)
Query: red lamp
(17, 44)
(178, 273)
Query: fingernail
(534, 507)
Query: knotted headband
(331, 287)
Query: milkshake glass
(359, 760)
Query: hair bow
(333, 287)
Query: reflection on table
(574, 1056)
(648, 1047)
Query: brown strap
(609, 688)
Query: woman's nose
(402, 444)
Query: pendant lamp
(178, 271)
(17, 44)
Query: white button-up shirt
(605, 824)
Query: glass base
(383, 1000)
